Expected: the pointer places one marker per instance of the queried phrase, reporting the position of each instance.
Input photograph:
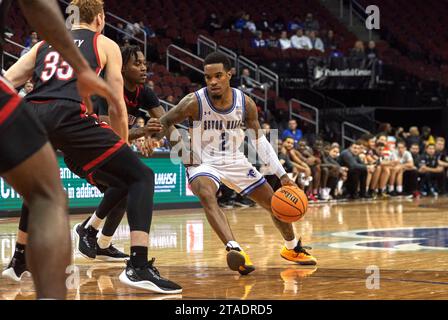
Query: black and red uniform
(138, 103)
(56, 102)
(21, 135)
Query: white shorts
(240, 176)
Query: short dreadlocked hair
(128, 52)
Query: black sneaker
(226, 204)
(243, 203)
(85, 241)
(16, 270)
(148, 278)
(110, 254)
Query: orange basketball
(289, 204)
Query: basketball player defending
(218, 112)
(103, 155)
(28, 162)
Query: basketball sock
(383, 190)
(233, 245)
(391, 188)
(94, 221)
(139, 256)
(291, 244)
(104, 241)
(400, 189)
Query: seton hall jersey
(218, 136)
(53, 77)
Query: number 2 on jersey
(54, 64)
(223, 142)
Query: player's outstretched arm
(21, 71)
(262, 145)
(185, 109)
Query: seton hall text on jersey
(221, 124)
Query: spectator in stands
(151, 84)
(311, 23)
(147, 28)
(279, 24)
(358, 51)
(307, 155)
(284, 41)
(329, 173)
(330, 160)
(300, 41)
(27, 88)
(371, 52)
(413, 137)
(294, 24)
(357, 171)
(292, 131)
(290, 157)
(330, 41)
(272, 42)
(213, 23)
(258, 41)
(402, 160)
(235, 81)
(407, 174)
(431, 172)
(138, 144)
(316, 42)
(247, 83)
(426, 137)
(29, 39)
(250, 25)
(240, 23)
(140, 122)
(118, 35)
(171, 99)
(27, 49)
(443, 161)
(263, 24)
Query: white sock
(104, 241)
(340, 184)
(391, 188)
(233, 245)
(400, 189)
(291, 244)
(94, 221)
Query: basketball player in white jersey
(218, 113)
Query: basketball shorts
(240, 176)
(21, 135)
(86, 141)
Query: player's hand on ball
(287, 181)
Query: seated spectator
(29, 39)
(407, 172)
(284, 41)
(27, 88)
(212, 23)
(142, 27)
(258, 41)
(151, 84)
(294, 24)
(272, 42)
(371, 52)
(138, 144)
(264, 24)
(443, 160)
(300, 41)
(140, 122)
(292, 131)
(235, 81)
(358, 51)
(426, 137)
(357, 171)
(316, 42)
(330, 161)
(247, 83)
(250, 25)
(431, 172)
(279, 24)
(307, 155)
(329, 173)
(240, 23)
(330, 41)
(310, 23)
(413, 137)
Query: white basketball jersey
(220, 133)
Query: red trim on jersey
(41, 101)
(6, 87)
(9, 108)
(104, 156)
(89, 178)
(95, 49)
(134, 102)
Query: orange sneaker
(298, 255)
(238, 260)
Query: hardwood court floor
(406, 241)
